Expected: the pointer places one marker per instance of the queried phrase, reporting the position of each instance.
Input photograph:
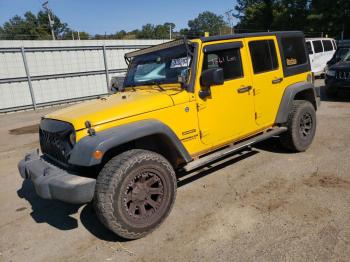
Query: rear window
(317, 46)
(263, 54)
(294, 51)
(327, 45)
(309, 48)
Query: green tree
(133, 34)
(23, 28)
(147, 31)
(291, 15)
(68, 35)
(59, 28)
(84, 35)
(331, 17)
(32, 26)
(206, 22)
(254, 14)
(150, 31)
(120, 34)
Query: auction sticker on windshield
(180, 62)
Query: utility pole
(51, 22)
(170, 31)
(229, 17)
(78, 35)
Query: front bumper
(337, 83)
(52, 182)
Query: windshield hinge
(201, 106)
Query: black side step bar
(233, 148)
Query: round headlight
(72, 138)
(330, 72)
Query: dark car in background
(338, 70)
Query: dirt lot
(266, 205)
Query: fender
(287, 100)
(105, 140)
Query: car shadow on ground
(54, 213)
(91, 222)
(342, 96)
(185, 178)
(60, 215)
(272, 145)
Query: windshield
(159, 67)
(347, 56)
(343, 54)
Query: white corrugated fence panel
(41, 63)
(68, 88)
(14, 95)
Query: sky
(110, 16)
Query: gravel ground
(265, 205)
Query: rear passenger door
(318, 63)
(328, 51)
(267, 78)
(310, 50)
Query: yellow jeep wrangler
(183, 105)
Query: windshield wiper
(131, 86)
(154, 83)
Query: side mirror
(210, 77)
(183, 77)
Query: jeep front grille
(343, 75)
(54, 139)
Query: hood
(342, 65)
(118, 106)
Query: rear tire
(135, 192)
(301, 126)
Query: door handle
(277, 80)
(244, 89)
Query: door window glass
(263, 54)
(317, 46)
(334, 45)
(309, 48)
(229, 60)
(327, 45)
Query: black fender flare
(287, 99)
(82, 153)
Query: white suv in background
(321, 50)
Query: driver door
(228, 113)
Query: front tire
(301, 126)
(135, 192)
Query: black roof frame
(246, 35)
(287, 70)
